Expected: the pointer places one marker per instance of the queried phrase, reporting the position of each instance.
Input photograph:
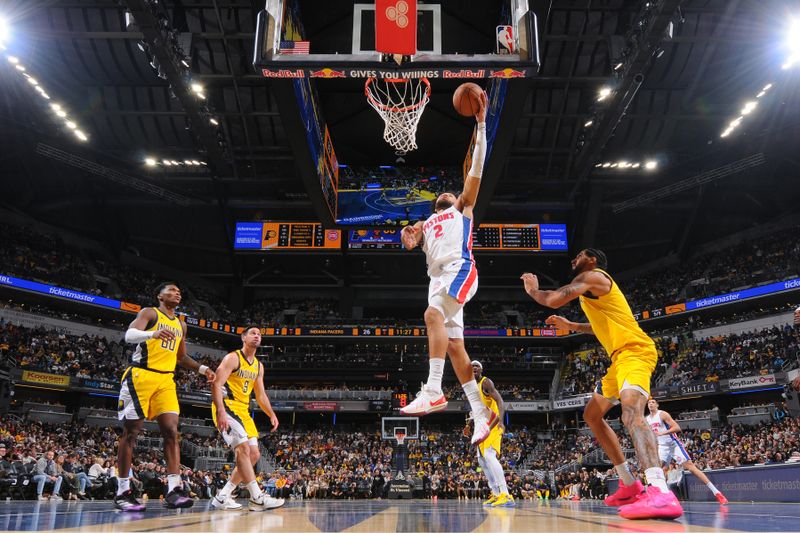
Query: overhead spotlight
(762, 93)
(61, 113)
(726, 133)
(44, 95)
(749, 107)
(167, 162)
(588, 123)
(150, 162)
(188, 162)
(184, 63)
(651, 165)
(13, 60)
(130, 23)
(613, 165)
(598, 165)
(19, 68)
(71, 125)
(767, 87)
(216, 122)
(33, 81)
(5, 31)
(623, 164)
(195, 162)
(196, 87)
(793, 39)
(603, 94)
(80, 135)
(636, 165)
(203, 163)
(736, 122)
(619, 65)
(55, 107)
(606, 165)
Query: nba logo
(505, 40)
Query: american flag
(294, 47)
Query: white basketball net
(400, 102)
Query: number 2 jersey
(157, 354)
(447, 243)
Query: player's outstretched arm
(411, 236)
(263, 399)
(591, 282)
(562, 323)
(224, 370)
(472, 183)
(671, 424)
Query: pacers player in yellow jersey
(627, 381)
(237, 376)
(489, 450)
(148, 392)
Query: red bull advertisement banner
(403, 72)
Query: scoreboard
(285, 236)
(312, 236)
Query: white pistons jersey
(447, 243)
(658, 425)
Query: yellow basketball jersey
(240, 383)
(156, 354)
(612, 320)
(488, 401)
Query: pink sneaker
(427, 401)
(625, 495)
(722, 499)
(483, 427)
(654, 504)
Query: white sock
(173, 482)
(655, 477)
(255, 491)
(497, 470)
(489, 476)
(435, 374)
(123, 484)
(624, 473)
(474, 397)
(226, 491)
(714, 490)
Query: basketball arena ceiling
(720, 54)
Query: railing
(291, 394)
(150, 443)
(194, 451)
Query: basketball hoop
(400, 103)
(400, 437)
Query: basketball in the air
(467, 99)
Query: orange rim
(394, 109)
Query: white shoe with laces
(228, 504)
(483, 426)
(427, 401)
(266, 502)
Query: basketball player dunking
(148, 392)
(627, 381)
(446, 238)
(238, 375)
(671, 448)
(489, 450)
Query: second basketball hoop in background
(467, 99)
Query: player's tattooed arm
(556, 298)
(559, 322)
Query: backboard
(391, 425)
(455, 39)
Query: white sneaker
(483, 427)
(427, 401)
(228, 504)
(42, 498)
(266, 502)
(56, 498)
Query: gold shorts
(146, 394)
(632, 368)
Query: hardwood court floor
(400, 516)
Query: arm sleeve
(479, 152)
(135, 336)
